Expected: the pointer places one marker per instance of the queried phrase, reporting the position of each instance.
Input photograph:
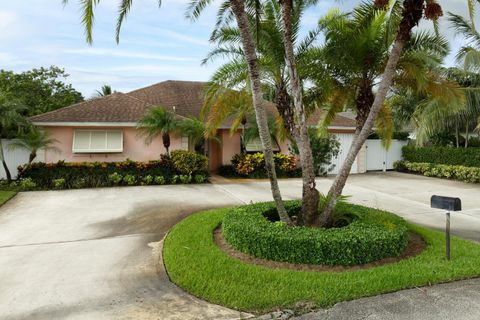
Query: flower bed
(371, 236)
(180, 167)
(460, 173)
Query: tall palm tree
(231, 9)
(157, 121)
(11, 123)
(411, 13)
(105, 91)
(33, 141)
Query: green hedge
(461, 173)
(468, 157)
(180, 167)
(373, 235)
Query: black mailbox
(446, 203)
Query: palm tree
(197, 133)
(33, 141)
(228, 10)
(11, 122)
(158, 121)
(411, 13)
(105, 91)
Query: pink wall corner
(134, 147)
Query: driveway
(93, 254)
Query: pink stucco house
(103, 129)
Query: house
(103, 129)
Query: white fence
(345, 140)
(378, 158)
(15, 158)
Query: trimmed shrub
(372, 235)
(200, 178)
(27, 184)
(106, 174)
(468, 157)
(461, 173)
(188, 163)
(253, 165)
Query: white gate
(15, 158)
(345, 140)
(378, 158)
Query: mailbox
(446, 203)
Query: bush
(58, 183)
(468, 157)
(159, 180)
(461, 173)
(104, 174)
(323, 151)
(188, 163)
(185, 179)
(200, 178)
(253, 165)
(227, 171)
(373, 235)
(27, 184)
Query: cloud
(112, 52)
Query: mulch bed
(415, 246)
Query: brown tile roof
(117, 107)
(185, 96)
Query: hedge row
(180, 167)
(468, 157)
(461, 173)
(373, 235)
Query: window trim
(119, 150)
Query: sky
(156, 44)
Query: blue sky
(156, 44)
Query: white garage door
(345, 140)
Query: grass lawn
(196, 264)
(6, 195)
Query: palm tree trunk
(4, 163)
(310, 195)
(466, 134)
(412, 13)
(166, 141)
(457, 135)
(238, 8)
(32, 157)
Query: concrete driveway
(93, 254)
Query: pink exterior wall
(134, 147)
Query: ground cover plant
(221, 279)
(179, 167)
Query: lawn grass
(196, 264)
(6, 195)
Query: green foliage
(58, 183)
(200, 178)
(227, 171)
(469, 157)
(159, 180)
(252, 165)
(324, 149)
(147, 180)
(461, 173)
(188, 163)
(129, 179)
(225, 280)
(115, 178)
(397, 135)
(27, 184)
(40, 90)
(373, 235)
(104, 174)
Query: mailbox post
(449, 204)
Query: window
(255, 145)
(97, 141)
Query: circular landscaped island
(362, 235)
